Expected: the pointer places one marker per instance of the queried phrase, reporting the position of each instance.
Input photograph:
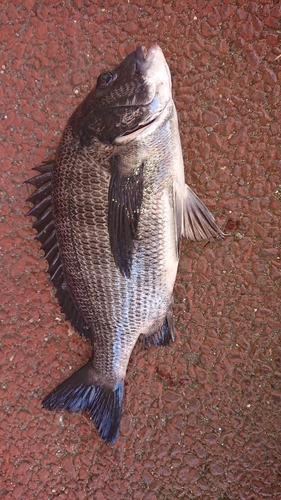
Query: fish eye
(106, 78)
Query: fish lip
(141, 53)
(144, 55)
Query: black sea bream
(111, 209)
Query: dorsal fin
(42, 210)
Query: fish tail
(80, 393)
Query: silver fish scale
(117, 309)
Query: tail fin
(103, 404)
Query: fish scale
(105, 307)
(111, 210)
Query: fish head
(126, 99)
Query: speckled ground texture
(201, 419)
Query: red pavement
(201, 419)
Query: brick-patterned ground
(201, 419)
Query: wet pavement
(201, 419)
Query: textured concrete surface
(201, 419)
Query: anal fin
(164, 336)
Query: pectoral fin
(198, 222)
(124, 203)
(177, 219)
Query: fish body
(111, 210)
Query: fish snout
(146, 56)
(141, 53)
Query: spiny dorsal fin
(42, 210)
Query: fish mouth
(145, 58)
(152, 65)
(141, 53)
(132, 134)
(146, 123)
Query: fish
(111, 209)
